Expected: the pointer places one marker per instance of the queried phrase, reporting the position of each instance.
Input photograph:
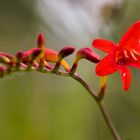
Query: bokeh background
(35, 106)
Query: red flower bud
(35, 54)
(4, 59)
(2, 70)
(28, 54)
(9, 56)
(19, 55)
(88, 54)
(40, 40)
(65, 52)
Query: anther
(133, 56)
(136, 53)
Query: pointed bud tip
(88, 54)
(40, 40)
(19, 54)
(66, 51)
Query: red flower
(125, 53)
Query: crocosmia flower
(120, 56)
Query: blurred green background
(35, 106)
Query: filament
(136, 53)
(125, 54)
(133, 56)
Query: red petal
(134, 64)
(131, 62)
(106, 66)
(131, 37)
(104, 45)
(126, 77)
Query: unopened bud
(2, 70)
(36, 52)
(64, 52)
(4, 59)
(19, 55)
(40, 40)
(86, 53)
(7, 62)
(10, 56)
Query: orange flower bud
(52, 56)
(19, 55)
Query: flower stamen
(136, 53)
(133, 56)
(125, 54)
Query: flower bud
(19, 55)
(2, 70)
(103, 87)
(52, 56)
(10, 56)
(4, 59)
(31, 54)
(40, 41)
(64, 52)
(7, 62)
(86, 53)
(35, 54)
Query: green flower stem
(78, 78)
